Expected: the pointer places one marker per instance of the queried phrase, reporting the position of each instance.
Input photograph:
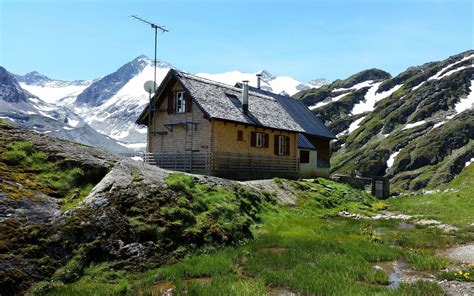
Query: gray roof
(221, 101)
(304, 143)
(301, 114)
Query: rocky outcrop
(137, 216)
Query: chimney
(259, 78)
(245, 97)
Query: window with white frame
(180, 103)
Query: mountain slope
(417, 127)
(50, 90)
(27, 111)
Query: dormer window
(180, 103)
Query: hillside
(416, 127)
(78, 221)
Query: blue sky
(303, 39)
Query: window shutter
(265, 140)
(189, 103)
(287, 145)
(253, 139)
(276, 144)
(170, 103)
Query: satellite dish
(150, 86)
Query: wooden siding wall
(196, 138)
(224, 139)
(324, 149)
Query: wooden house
(240, 132)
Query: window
(259, 140)
(304, 156)
(180, 102)
(282, 145)
(240, 135)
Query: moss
(136, 177)
(75, 196)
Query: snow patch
(8, 118)
(391, 159)
(355, 86)
(72, 122)
(137, 158)
(133, 145)
(439, 124)
(46, 115)
(355, 125)
(418, 86)
(412, 125)
(440, 74)
(469, 162)
(52, 93)
(372, 97)
(327, 101)
(466, 103)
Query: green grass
(74, 197)
(462, 275)
(453, 207)
(305, 249)
(64, 181)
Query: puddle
(165, 288)
(276, 250)
(405, 225)
(395, 271)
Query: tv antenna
(151, 85)
(156, 28)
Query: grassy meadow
(306, 248)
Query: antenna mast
(156, 27)
(151, 111)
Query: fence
(209, 161)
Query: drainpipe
(245, 97)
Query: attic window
(180, 102)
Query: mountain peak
(266, 76)
(318, 82)
(142, 60)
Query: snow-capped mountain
(111, 104)
(276, 84)
(51, 90)
(416, 127)
(26, 110)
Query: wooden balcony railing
(209, 161)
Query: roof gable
(221, 101)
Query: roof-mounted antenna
(156, 27)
